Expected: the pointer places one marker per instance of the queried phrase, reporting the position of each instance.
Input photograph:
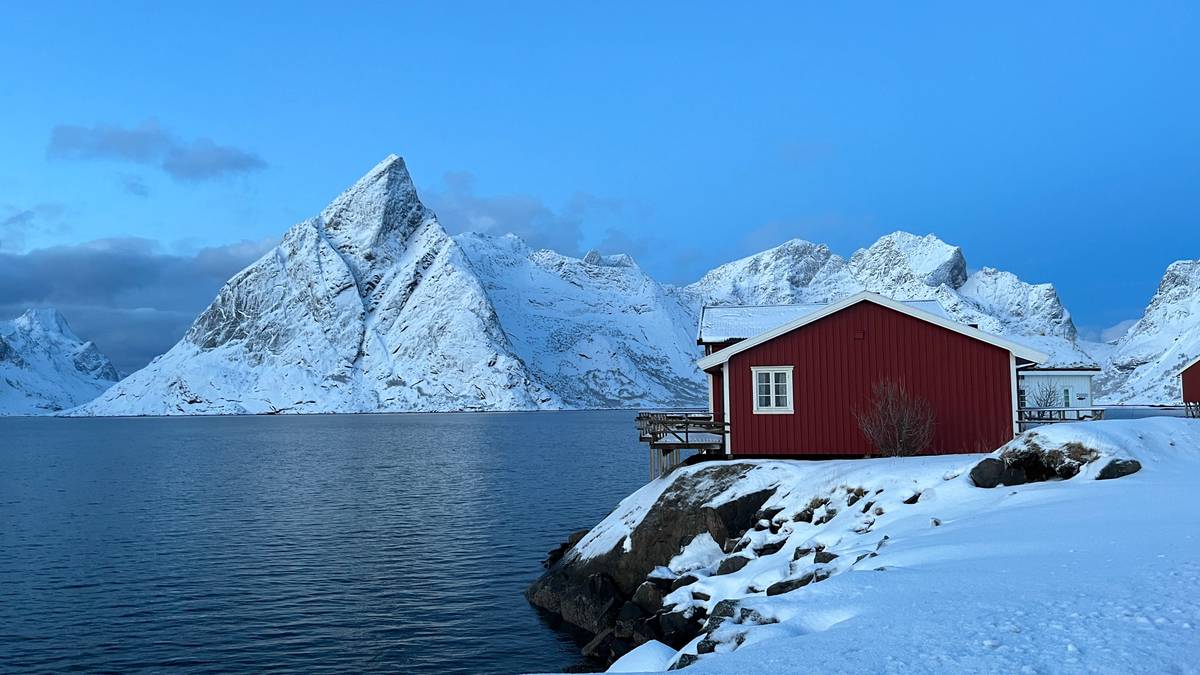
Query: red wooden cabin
(1190, 376)
(793, 389)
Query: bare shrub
(896, 423)
(1046, 394)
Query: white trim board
(1017, 350)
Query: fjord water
(339, 543)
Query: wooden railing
(1193, 408)
(670, 432)
(1028, 417)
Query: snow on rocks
(837, 555)
(45, 367)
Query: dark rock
(599, 646)
(684, 661)
(706, 646)
(557, 554)
(747, 615)
(649, 597)
(1118, 468)
(732, 564)
(680, 513)
(685, 580)
(626, 618)
(742, 544)
(768, 514)
(768, 549)
(1014, 474)
(913, 499)
(730, 545)
(987, 473)
(663, 584)
(645, 630)
(824, 557)
(678, 628)
(800, 553)
(788, 585)
(701, 596)
(867, 507)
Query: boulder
(987, 473)
(649, 597)
(685, 580)
(732, 564)
(1014, 474)
(824, 557)
(1118, 468)
(685, 509)
(788, 585)
(679, 628)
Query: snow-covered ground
(1081, 575)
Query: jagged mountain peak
(45, 319)
(45, 367)
(382, 205)
(902, 259)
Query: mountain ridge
(372, 306)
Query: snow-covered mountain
(372, 306)
(596, 331)
(906, 267)
(1144, 365)
(369, 306)
(45, 367)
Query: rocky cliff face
(45, 367)
(1145, 363)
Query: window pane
(764, 389)
(781, 401)
(764, 401)
(780, 378)
(764, 378)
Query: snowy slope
(370, 306)
(596, 331)
(45, 367)
(1144, 365)
(912, 568)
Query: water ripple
(326, 543)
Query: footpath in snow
(905, 565)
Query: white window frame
(791, 393)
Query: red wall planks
(1191, 384)
(718, 395)
(837, 360)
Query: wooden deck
(670, 432)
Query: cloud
(129, 296)
(460, 209)
(17, 223)
(149, 144)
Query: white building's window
(1066, 398)
(772, 389)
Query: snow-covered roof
(1189, 365)
(740, 322)
(1019, 350)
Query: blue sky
(1060, 142)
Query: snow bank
(899, 565)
